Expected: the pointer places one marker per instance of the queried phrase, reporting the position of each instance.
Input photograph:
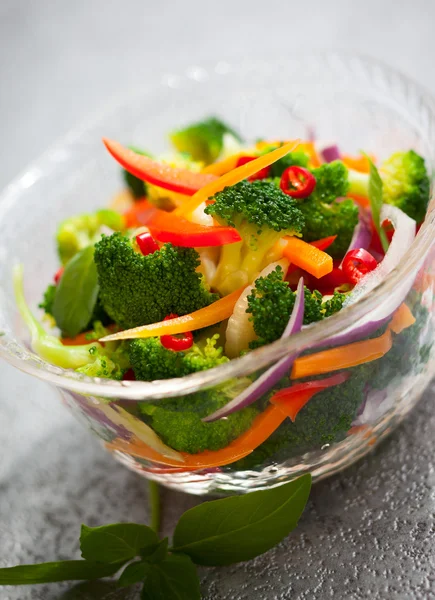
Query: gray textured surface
(367, 532)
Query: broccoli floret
(48, 300)
(271, 302)
(262, 214)
(203, 140)
(75, 233)
(138, 290)
(331, 182)
(110, 362)
(323, 220)
(151, 360)
(405, 181)
(137, 187)
(299, 158)
(325, 419)
(333, 304)
(178, 420)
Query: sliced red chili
(147, 244)
(58, 275)
(261, 174)
(358, 263)
(129, 375)
(183, 341)
(297, 182)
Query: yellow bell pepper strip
(402, 319)
(160, 174)
(291, 400)
(342, 357)
(261, 429)
(223, 166)
(204, 317)
(307, 257)
(234, 177)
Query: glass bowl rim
(256, 359)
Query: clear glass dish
(352, 100)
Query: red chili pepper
(358, 263)
(147, 244)
(297, 182)
(261, 174)
(129, 376)
(58, 275)
(324, 242)
(183, 341)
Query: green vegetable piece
(241, 527)
(178, 421)
(116, 542)
(47, 346)
(48, 300)
(76, 293)
(50, 572)
(202, 141)
(376, 195)
(137, 290)
(405, 184)
(175, 578)
(151, 360)
(271, 302)
(137, 187)
(262, 214)
(297, 158)
(77, 232)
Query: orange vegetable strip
(307, 257)
(139, 214)
(305, 146)
(358, 163)
(234, 177)
(363, 201)
(223, 166)
(342, 357)
(261, 429)
(402, 319)
(204, 317)
(294, 398)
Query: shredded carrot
(204, 317)
(342, 357)
(234, 177)
(78, 340)
(305, 146)
(402, 319)
(307, 257)
(223, 166)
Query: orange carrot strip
(307, 257)
(342, 357)
(402, 319)
(358, 163)
(204, 317)
(261, 429)
(234, 177)
(363, 201)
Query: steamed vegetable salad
(223, 247)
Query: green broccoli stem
(228, 268)
(154, 501)
(47, 346)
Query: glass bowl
(355, 101)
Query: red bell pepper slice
(167, 227)
(292, 399)
(160, 174)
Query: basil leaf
(175, 578)
(113, 543)
(134, 573)
(239, 528)
(376, 188)
(76, 293)
(50, 572)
